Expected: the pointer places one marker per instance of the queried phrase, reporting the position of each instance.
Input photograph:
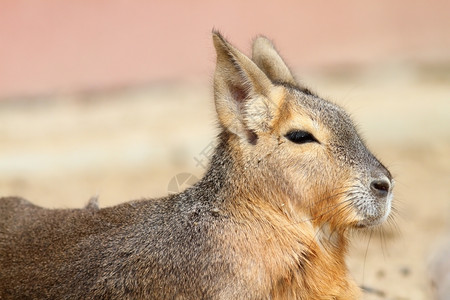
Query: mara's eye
(300, 137)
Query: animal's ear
(245, 98)
(266, 57)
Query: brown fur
(269, 220)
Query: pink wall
(58, 46)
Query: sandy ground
(128, 144)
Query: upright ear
(270, 62)
(244, 96)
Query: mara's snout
(375, 200)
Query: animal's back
(16, 214)
(41, 249)
(14, 210)
(38, 248)
(114, 253)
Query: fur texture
(269, 219)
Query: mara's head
(292, 146)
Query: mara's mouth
(373, 212)
(372, 221)
(367, 223)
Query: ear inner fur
(242, 92)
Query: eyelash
(301, 137)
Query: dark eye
(300, 137)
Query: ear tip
(215, 32)
(262, 37)
(218, 39)
(262, 44)
(217, 35)
(262, 40)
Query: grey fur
(148, 249)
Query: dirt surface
(128, 144)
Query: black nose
(380, 187)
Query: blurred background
(114, 98)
